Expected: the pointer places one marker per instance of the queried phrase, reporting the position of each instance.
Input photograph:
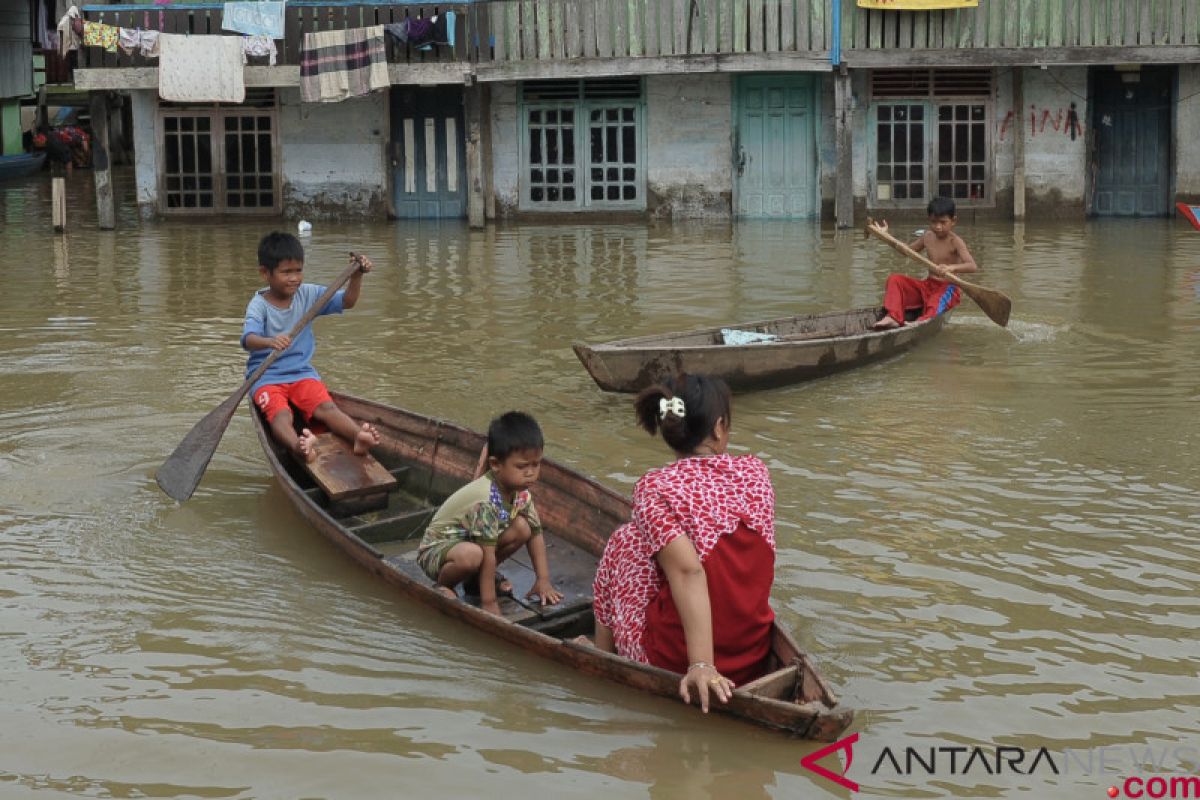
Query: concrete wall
(689, 150)
(144, 105)
(688, 124)
(333, 156)
(1055, 160)
(1187, 133)
(506, 148)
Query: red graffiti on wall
(1064, 121)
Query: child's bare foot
(367, 438)
(306, 446)
(583, 640)
(886, 323)
(446, 591)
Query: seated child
(933, 294)
(490, 518)
(291, 380)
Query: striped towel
(336, 65)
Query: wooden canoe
(806, 347)
(430, 459)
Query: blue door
(1131, 134)
(775, 150)
(428, 153)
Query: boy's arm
(541, 567)
(350, 299)
(966, 262)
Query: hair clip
(673, 406)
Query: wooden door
(775, 152)
(1131, 140)
(428, 152)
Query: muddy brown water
(990, 541)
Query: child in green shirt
(489, 519)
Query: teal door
(775, 151)
(1131, 134)
(428, 152)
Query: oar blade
(996, 305)
(180, 474)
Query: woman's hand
(705, 678)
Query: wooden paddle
(995, 304)
(181, 472)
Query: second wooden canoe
(430, 459)
(804, 347)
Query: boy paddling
(292, 381)
(933, 294)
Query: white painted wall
(506, 148)
(1055, 164)
(689, 150)
(1187, 132)
(333, 156)
(144, 107)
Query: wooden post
(489, 186)
(475, 178)
(1018, 78)
(58, 203)
(843, 112)
(106, 215)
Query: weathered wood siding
(1025, 23)
(518, 30)
(496, 33)
(16, 49)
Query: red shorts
(305, 395)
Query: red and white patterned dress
(725, 505)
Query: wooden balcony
(1011, 32)
(524, 39)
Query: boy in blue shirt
(291, 380)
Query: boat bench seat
(346, 478)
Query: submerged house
(684, 108)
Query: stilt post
(106, 215)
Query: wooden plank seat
(346, 478)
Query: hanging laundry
(149, 44)
(337, 65)
(68, 38)
(424, 33)
(260, 46)
(200, 69)
(144, 42)
(97, 34)
(260, 18)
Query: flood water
(990, 541)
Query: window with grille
(220, 159)
(931, 137)
(583, 145)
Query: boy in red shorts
(291, 380)
(934, 294)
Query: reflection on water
(990, 540)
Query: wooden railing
(300, 17)
(505, 31)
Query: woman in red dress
(685, 584)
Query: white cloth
(734, 336)
(200, 69)
(258, 46)
(68, 39)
